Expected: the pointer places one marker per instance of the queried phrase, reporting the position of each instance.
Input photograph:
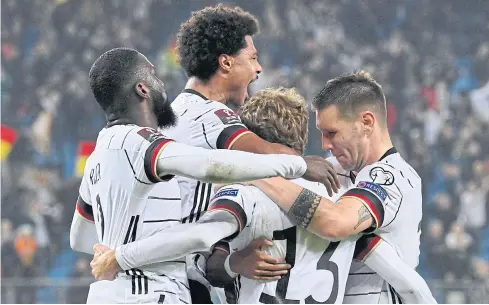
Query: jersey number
(100, 215)
(324, 263)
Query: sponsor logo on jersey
(227, 116)
(373, 188)
(149, 134)
(381, 176)
(227, 192)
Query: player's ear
(226, 62)
(142, 90)
(368, 120)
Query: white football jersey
(202, 123)
(320, 267)
(208, 124)
(391, 188)
(118, 193)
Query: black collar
(119, 122)
(389, 152)
(192, 91)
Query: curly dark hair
(211, 32)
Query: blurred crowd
(430, 56)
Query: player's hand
(320, 170)
(254, 263)
(104, 264)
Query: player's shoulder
(389, 168)
(232, 192)
(196, 108)
(139, 138)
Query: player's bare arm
(318, 214)
(320, 170)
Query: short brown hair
(352, 93)
(278, 115)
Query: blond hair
(278, 115)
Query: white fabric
(225, 166)
(83, 234)
(177, 241)
(408, 284)
(120, 291)
(319, 272)
(399, 228)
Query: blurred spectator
(26, 247)
(431, 57)
(458, 243)
(473, 212)
(436, 248)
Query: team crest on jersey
(149, 134)
(373, 188)
(227, 116)
(381, 176)
(227, 192)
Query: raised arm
(225, 166)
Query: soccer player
(130, 157)
(217, 53)
(278, 115)
(384, 196)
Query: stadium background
(431, 56)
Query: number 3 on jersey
(100, 217)
(324, 263)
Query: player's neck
(139, 117)
(381, 143)
(212, 90)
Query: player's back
(320, 267)
(119, 183)
(117, 193)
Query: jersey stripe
(128, 233)
(133, 171)
(201, 199)
(189, 217)
(136, 286)
(202, 196)
(204, 200)
(372, 202)
(232, 207)
(151, 158)
(229, 135)
(396, 299)
(366, 245)
(84, 209)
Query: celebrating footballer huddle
(212, 193)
